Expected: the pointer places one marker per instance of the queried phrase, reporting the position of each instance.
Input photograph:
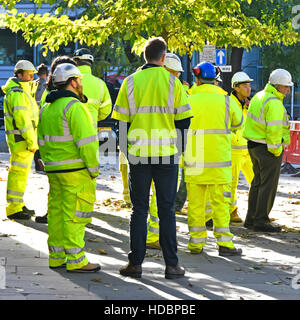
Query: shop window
(7, 47)
(23, 49)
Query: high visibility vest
(238, 142)
(66, 143)
(207, 158)
(20, 115)
(99, 100)
(151, 100)
(267, 120)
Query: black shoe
(59, 267)
(133, 271)
(248, 225)
(19, 216)
(266, 227)
(30, 212)
(43, 219)
(174, 272)
(226, 252)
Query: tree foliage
(186, 25)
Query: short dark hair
(42, 69)
(55, 63)
(17, 72)
(63, 86)
(154, 49)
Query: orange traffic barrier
(292, 152)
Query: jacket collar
(270, 89)
(210, 88)
(57, 94)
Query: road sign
(208, 54)
(221, 56)
(227, 68)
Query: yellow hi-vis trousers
(219, 196)
(240, 162)
(70, 205)
(20, 166)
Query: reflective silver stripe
(275, 123)
(41, 142)
(49, 138)
(227, 105)
(19, 164)
(81, 214)
(93, 170)
(264, 104)
(255, 118)
(224, 239)
(154, 219)
(15, 193)
(95, 101)
(208, 210)
(105, 103)
(76, 261)
(258, 141)
(233, 203)
(86, 140)
(238, 125)
(227, 194)
(154, 230)
(239, 147)
(208, 131)
(171, 89)
(19, 132)
(274, 146)
(197, 229)
(131, 102)
(55, 163)
(121, 110)
(8, 115)
(56, 249)
(65, 125)
(154, 109)
(73, 250)
(152, 142)
(221, 229)
(41, 111)
(15, 200)
(182, 109)
(19, 108)
(69, 105)
(197, 240)
(207, 164)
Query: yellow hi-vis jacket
(151, 100)
(21, 115)
(267, 120)
(67, 136)
(99, 101)
(238, 142)
(207, 158)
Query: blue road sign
(220, 57)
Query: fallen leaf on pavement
(101, 251)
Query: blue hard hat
(205, 70)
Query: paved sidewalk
(267, 269)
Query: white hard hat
(173, 62)
(240, 77)
(65, 71)
(281, 77)
(25, 65)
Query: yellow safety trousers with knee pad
(219, 196)
(70, 205)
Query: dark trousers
(37, 156)
(264, 185)
(165, 178)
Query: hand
(185, 83)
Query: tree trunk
(235, 60)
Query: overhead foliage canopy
(186, 25)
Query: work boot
(234, 217)
(30, 212)
(130, 270)
(226, 252)
(153, 245)
(89, 268)
(174, 272)
(266, 227)
(21, 215)
(43, 219)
